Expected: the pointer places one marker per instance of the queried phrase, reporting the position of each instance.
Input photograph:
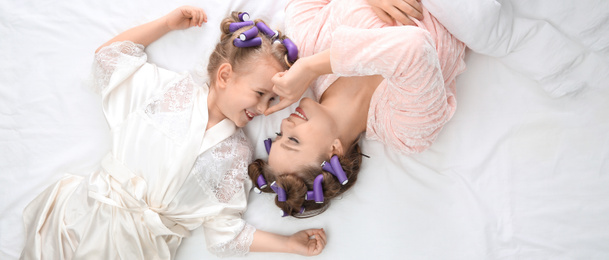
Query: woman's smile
(299, 113)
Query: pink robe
(419, 64)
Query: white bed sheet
(520, 172)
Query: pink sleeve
(410, 107)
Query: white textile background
(520, 172)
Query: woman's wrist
(319, 63)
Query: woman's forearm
(143, 34)
(319, 63)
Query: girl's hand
(308, 242)
(185, 17)
(397, 10)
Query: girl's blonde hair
(226, 52)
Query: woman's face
(249, 91)
(306, 136)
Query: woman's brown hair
(297, 184)
(226, 52)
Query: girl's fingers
(193, 22)
(323, 236)
(187, 13)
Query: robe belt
(121, 180)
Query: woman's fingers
(412, 8)
(400, 16)
(283, 103)
(383, 15)
(403, 11)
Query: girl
(396, 83)
(177, 159)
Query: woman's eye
(279, 133)
(293, 140)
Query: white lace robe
(165, 175)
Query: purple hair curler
(327, 167)
(236, 26)
(309, 195)
(267, 145)
(285, 214)
(266, 30)
(335, 169)
(318, 191)
(338, 170)
(249, 34)
(292, 50)
(261, 181)
(244, 16)
(249, 43)
(281, 195)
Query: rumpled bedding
(519, 172)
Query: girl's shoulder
(236, 146)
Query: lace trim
(223, 170)
(172, 110)
(112, 58)
(239, 246)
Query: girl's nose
(261, 107)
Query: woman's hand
(291, 85)
(185, 17)
(397, 10)
(308, 242)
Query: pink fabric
(419, 64)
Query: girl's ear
(336, 148)
(223, 76)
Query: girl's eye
(293, 140)
(260, 93)
(272, 99)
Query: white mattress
(520, 172)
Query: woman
(395, 83)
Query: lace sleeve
(222, 173)
(118, 55)
(239, 246)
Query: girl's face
(249, 91)
(307, 136)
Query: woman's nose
(286, 123)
